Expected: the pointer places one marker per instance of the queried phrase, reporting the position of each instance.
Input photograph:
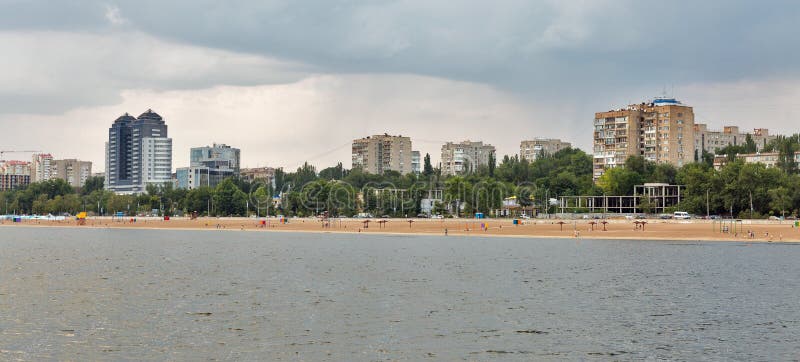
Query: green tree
(492, 164)
(333, 173)
(92, 184)
(780, 199)
(229, 200)
(427, 168)
(458, 192)
(619, 181)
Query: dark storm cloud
(528, 46)
(525, 45)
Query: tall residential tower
(379, 153)
(661, 131)
(138, 153)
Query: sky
(294, 81)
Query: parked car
(665, 216)
(422, 216)
(437, 216)
(681, 215)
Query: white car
(681, 215)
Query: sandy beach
(746, 230)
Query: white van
(681, 215)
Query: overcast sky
(290, 81)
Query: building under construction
(648, 198)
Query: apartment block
(661, 131)
(380, 153)
(74, 172)
(41, 167)
(531, 149)
(14, 174)
(711, 140)
(465, 157)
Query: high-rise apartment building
(208, 166)
(711, 140)
(138, 153)
(531, 149)
(465, 157)
(41, 167)
(74, 172)
(14, 174)
(380, 153)
(661, 131)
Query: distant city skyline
(288, 82)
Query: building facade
(769, 159)
(380, 153)
(74, 172)
(138, 153)
(216, 156)
(193, 177)
(14, 174)
(712, 140)
(465, 157)
(661, 131)
(41, 167)
(416, 166)
(531, 149)
(263, 174)
(208, 166)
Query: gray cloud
(527, 46)
(49, 71)
(556, 50)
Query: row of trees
(738, 188)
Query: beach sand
(762, 230)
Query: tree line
(737, 188)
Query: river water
(95, 294)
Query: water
(92, 294)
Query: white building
(41, 166)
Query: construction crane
(14, 151)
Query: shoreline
(655, 230)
